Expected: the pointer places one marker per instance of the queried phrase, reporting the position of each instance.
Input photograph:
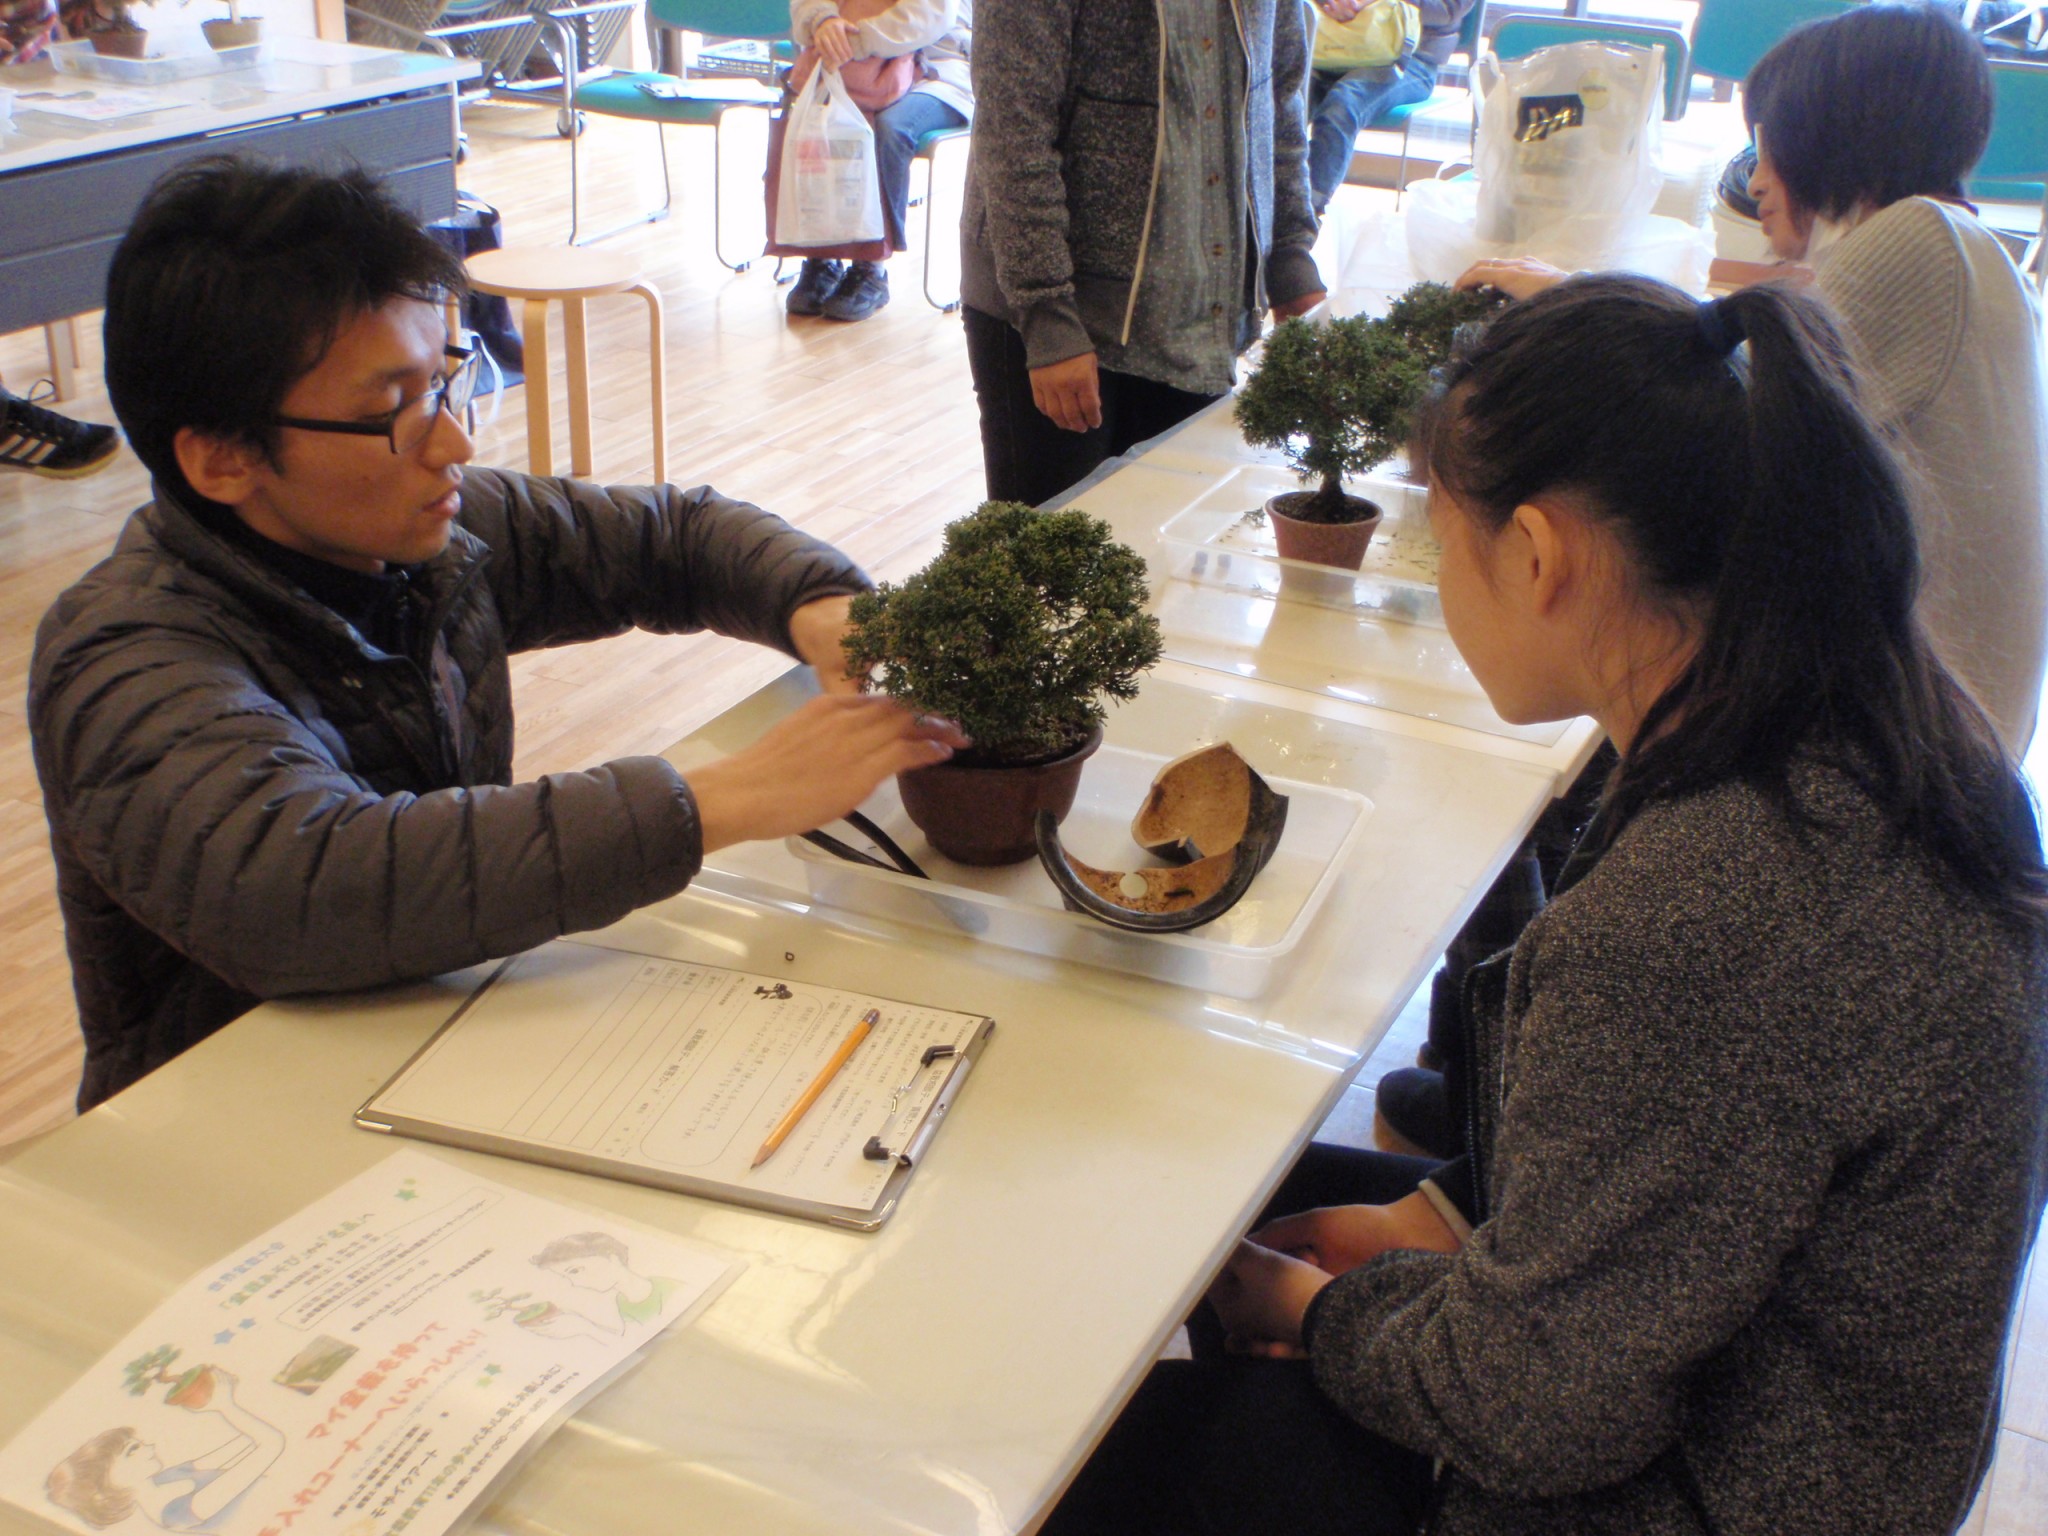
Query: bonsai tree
(1429, 315)
(1020, 629)
(1336, 399)
(100, 18)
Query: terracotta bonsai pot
(1342, 545)
(222, 33)
(193, 1390)
(985, 813)
(121, 45)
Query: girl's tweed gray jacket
(1132, 160)
(248, 799)
(1759, 1130)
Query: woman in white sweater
(1866, 126)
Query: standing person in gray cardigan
(1136, 200)
(274, 729)
(1758, 1124)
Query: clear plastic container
(1018, 907)
(1225, 540)
(81, 59)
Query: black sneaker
(863, 290)
(45, 443)
(814, 285)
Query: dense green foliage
(1335, 398)
(1018, 631)
(1428, 316)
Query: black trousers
(1226, 1445)
(1026, 457)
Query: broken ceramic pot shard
(1198, 805)
(1209, 813)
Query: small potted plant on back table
(1020, 629)
(1335, 398)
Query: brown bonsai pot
(223, 33)
(128, 44)
(193, 1390)
(985, 813)
(1341, 544)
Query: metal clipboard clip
(877, 1150)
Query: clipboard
(667, 1072)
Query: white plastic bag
(1568, 141)
(1442, 215)
(829, 193)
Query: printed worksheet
(685, 1070)
(369, 1366)
(87, 103)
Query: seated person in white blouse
(1870, 198)
(934, 37)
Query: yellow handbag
(1383, 32)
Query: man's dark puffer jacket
(247, 799)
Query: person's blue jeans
(898, 127)
(1343, 106)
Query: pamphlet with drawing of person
(369, 1365)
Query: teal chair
(649, 96)
(1522, 35)
(1403, 117)
(2015, 164)
(1731, 35)
(928, 151)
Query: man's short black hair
(231, 285)
(1880, 103)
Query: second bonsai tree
(1335, 398)
(1020, 630)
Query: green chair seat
(619, 95)
(931, 138)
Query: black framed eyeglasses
(409, 424)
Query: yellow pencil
(819, 1083)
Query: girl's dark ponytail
(1726, 446)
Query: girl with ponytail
(1756, 1114)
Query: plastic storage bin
(1018, 907)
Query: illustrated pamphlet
(369, 1366)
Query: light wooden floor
(865, 435)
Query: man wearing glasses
(274, 728)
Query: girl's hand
(836, 41)
(1339, 1238)
(1518, 277)
(1262, 1296)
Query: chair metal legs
(931, 202)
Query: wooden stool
(569, 275)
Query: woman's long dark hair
(1748, 483)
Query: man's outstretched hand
(814, 767)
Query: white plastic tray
(1225, 540)
(1018, 907)
(81, 59)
